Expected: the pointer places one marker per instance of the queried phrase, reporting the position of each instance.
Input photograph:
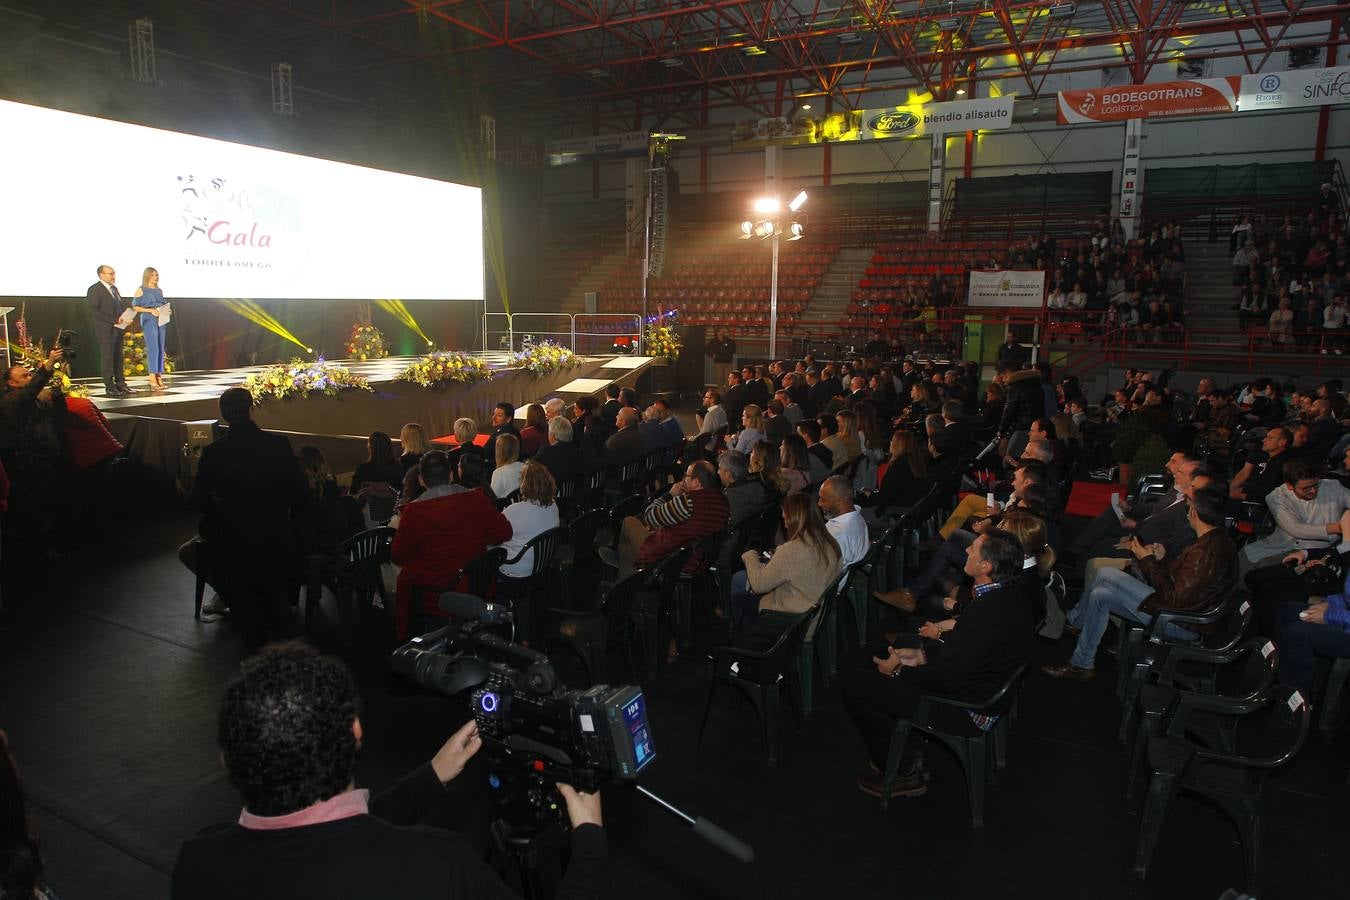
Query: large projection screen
(218, 219)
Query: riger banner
(1006, 288)
(1299, 87)
(1203, 96)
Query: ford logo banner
(892, 123)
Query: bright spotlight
(766, 205)
(798, 202)
(309, 349)
(806, 106)
(798, 232)
(747, 228)
(960, 92)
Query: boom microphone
(469, 607)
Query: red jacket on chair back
(435, 539)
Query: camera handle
(723, 840)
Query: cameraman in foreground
(289, 737)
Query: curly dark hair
(286, 728)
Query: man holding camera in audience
(31, 408)
(290, 735)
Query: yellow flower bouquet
(545, 358)
(300, 378)
(446, 366)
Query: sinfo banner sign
(1290, 90)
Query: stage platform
(155, 427)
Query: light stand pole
(773, 300)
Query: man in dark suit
(756, 391)
(105, 304)
(956, 429)
(733, 398)
(247, 483)
(817, 394)
(503, 422)
(627, 443)
(610, 411)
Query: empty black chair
(1239, 676)
(595, 487)
(615, 620)
(578, 562)
(759, 672)
(1192, 671)
(688, 582)
(355, 568)
(521, 590)
(1264, 739)
(971, 751)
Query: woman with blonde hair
(149, 300)
(848, 433)
(796, 574)
(765, 463)
(506, 477)
(531, 515)
(752, 432)
(413, 440)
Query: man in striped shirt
(694, 509)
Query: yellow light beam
(253, 311)
(399, 310)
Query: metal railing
(584, 333)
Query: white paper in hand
(164, 314)
(1115, 506)
(125, 318)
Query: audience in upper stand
(413, 441)
(440, 532)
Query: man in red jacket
(438, 534)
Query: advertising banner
(1006, 288)
(910, 121)
(1200, 97)
(1290, 90)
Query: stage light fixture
(1061, 10)
(798, 201)
(747, 229)
(960, 92)
(797, 231)
(849, 37)
(766, 205)
(672, 62)
(806, 106)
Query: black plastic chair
(858, 588)
(1190, 671)
(355, 571)
(1137, 641)
(971, 751)
(578, 562)
(595, 487)
(591, 633)
(520, 590)
(480, 573)
(760, 673)
(665, 576)
(686, 583)
(1265, 738)
(567, 496)
(822, 638)
(1241, 675)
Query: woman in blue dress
(148, 300)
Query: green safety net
(1250, 182)
(1022, 191)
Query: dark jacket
(1023, 403)
(995, 636)
(247, 483)
(900, 487)
(102, 305)
(625, 445)
(490, 448)
(757, 392)
(817, 395)
(563, 460)
(745, 498)
(380, 854)
(1201, 576)
(733, 403)
(1168, 526)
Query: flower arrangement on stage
(300, 378)
(366, 342)
(31, 354)
(133, 354)
(545, 358)
(663, 341)
(446, 366)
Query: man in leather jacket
(1203, 574)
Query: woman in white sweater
(531, 515)
(506, 477)
(792, 579)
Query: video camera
(584, 738)
(65, 339)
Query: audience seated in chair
(692, 510)
(791, 578)
(441, 531)
(994, 640)
(530, 516)
(1202, 575)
